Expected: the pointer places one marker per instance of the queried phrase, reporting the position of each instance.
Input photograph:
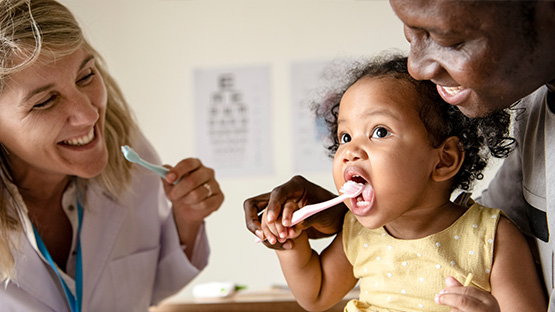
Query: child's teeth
(362, 203)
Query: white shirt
(132, 258)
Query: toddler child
(403, 239)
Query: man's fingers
(252, 207)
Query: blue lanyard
(74, 304)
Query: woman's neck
(44, 191)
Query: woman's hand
(466, 299)
(280, 205)
(194, 196)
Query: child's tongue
(363, 203)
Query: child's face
(384, 144)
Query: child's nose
(354, 152)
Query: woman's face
(52, 118)
(383, 143)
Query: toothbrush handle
(309, 210)
(159, 170)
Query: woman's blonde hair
(29, 31)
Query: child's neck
(425, 221)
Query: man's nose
(422, 64)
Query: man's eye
(457, 46)
(344, 138)
(380, 132)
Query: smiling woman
(77, 221)
(53, 119)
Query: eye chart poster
(310, 135)
(232, 115)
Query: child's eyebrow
(383, 112)
(376, 112)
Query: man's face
(483, 56)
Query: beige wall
(152, 46)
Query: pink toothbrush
(350, 189)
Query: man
(483, 56)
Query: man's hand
(280, 205)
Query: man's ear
(450, 159)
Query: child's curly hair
(441, 119)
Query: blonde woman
(81, 229)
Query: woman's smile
(80, 141)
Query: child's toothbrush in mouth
(350, 189)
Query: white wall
(152, 46)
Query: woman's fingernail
(170, 177)
(259, 233)
(436, 299)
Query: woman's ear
(451, 157)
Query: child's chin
(369, 222)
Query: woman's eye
(87, 78)
(45, 103)
(344, 138)
(380, 132)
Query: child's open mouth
(363, 203)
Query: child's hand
(466, 299)
(275, 232)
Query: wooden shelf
(273, 300)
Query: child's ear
(450, 160)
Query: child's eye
(344, 138)
(380, 132)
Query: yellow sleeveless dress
(405, 275)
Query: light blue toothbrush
(133, 157)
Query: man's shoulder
(534, 100)
(529, 111)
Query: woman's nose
(81, 110)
